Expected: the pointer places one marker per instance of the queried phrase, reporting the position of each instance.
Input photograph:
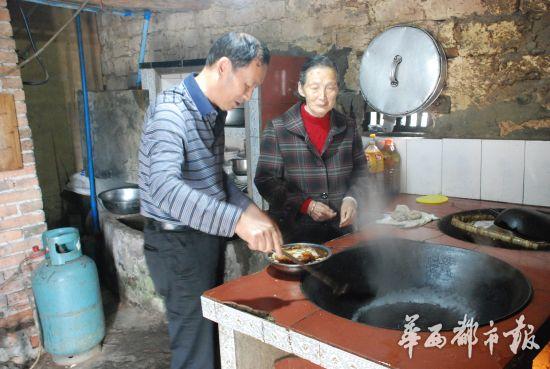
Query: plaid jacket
(290, 169)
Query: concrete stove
(265, 316)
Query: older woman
(311, 161)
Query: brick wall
(21, 221)
(497, 68)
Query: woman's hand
(348, 212)
(320, 212)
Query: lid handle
(393, 75)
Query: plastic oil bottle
(375, 162)
(392, 168)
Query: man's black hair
(240, 48)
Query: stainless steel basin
(122, 200)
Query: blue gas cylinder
(67, 295)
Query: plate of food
(308, 253)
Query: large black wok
(391, 278)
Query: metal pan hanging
(402, 71)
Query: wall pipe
(88, 130)
(89, 8)
(143, 46)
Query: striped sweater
(181, 177)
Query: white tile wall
(461, 168)
(495, 170)
(502, 168)
(537, 173)
(401, 147)
(423, 166)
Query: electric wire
(29, 13)
(33, 46)
(28, 60)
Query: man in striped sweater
(188, 200)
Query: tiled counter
(271, 308)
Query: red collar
(317, 128)
(310, 119)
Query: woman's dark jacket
(290, 169)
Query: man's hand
(259, 231)
(348, 211)
(320, 212)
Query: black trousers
(183, 264)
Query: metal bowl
(122, 200)
(294, 268)
(239, 166)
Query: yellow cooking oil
(375, 159)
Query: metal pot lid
(402, 71)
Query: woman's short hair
(313, 62)
(240, 48)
